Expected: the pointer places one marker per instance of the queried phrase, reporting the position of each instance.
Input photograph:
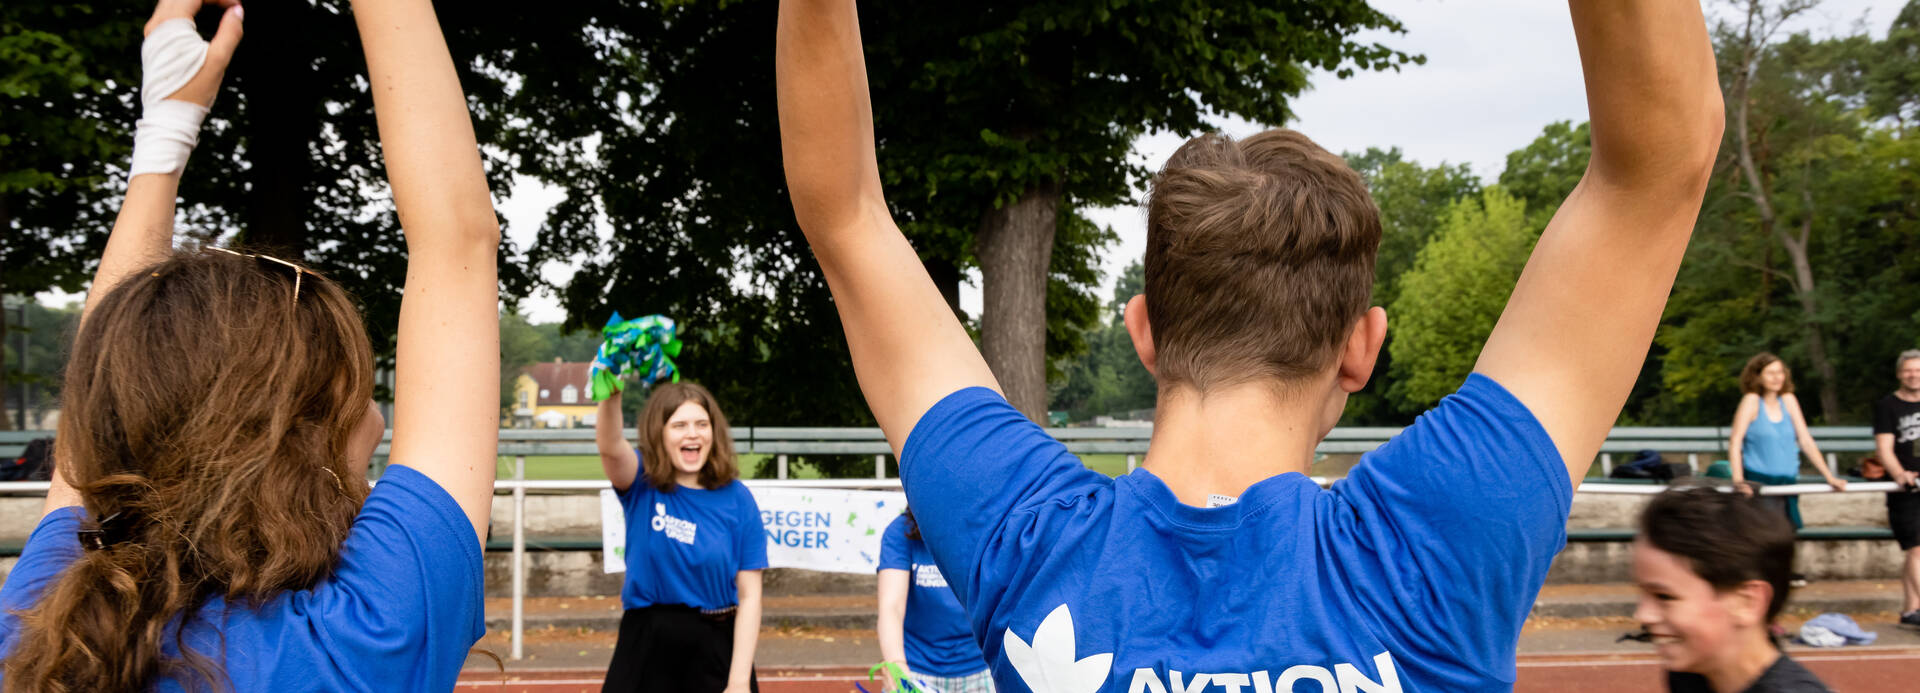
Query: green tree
(996, 122)
(1108, 378)
(44, 335)
(1451, 298)
(1413, 202)
(1542, 174)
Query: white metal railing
(781, 443)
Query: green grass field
(564, 467)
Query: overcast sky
(1497, 72)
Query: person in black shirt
(1713, 571)
(1896, 439)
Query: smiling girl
(695, 547)
(1713, 569)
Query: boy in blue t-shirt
(1416, 571)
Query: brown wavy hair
(721, 469)
(213, 409)
(1750, 375)
(1259, 259)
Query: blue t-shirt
(1771, 447)
(937, 639)
(688, 545)
(1413, 574)
(400, 611)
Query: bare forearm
(1812, 450)
(1653, 92)
(746, 637)
(426, 134)
(826, 117)
(142, 232)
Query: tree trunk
(1015, 247)
(6, 400)
(283, 118)
(1809, 308)
(1758, 192)
(6, 225)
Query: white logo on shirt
(928, 576)
(1049, 666)
(1909, 428)
(675, 528)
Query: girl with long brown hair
(695, 547)
(209, 524)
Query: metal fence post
(781, 460)
(879, 466)
(1606, 464)
(1132, 463)
(519, 557)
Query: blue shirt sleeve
(1459, 518)
(407, 595)
(894, 554)
(751, 544)
(52, 547)
(970, 462)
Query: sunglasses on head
(297, 270)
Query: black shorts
(1903, 517)
(672, 648)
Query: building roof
(553, 379)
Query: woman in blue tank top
(1770, 433)
(695, 548)
(209, 523)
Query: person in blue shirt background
(1770, 433)
(209, 524)
(922, 626)
(695, 547)
(1417, 570)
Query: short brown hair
(1259, 258)
(1725, 538)
(1750, 376)
(722, 468)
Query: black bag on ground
(1648, 464)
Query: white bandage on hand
(168, 129)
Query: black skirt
(672, 648)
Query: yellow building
(553, 395)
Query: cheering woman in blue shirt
(209, 524)
(695, 548)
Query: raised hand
(199, 86)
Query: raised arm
(908, 349)
(1809, 446)
(446, 420)
(1576, 330)
(174, 98)
(617, 458)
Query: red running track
(1863, 670)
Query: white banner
(832, 530)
